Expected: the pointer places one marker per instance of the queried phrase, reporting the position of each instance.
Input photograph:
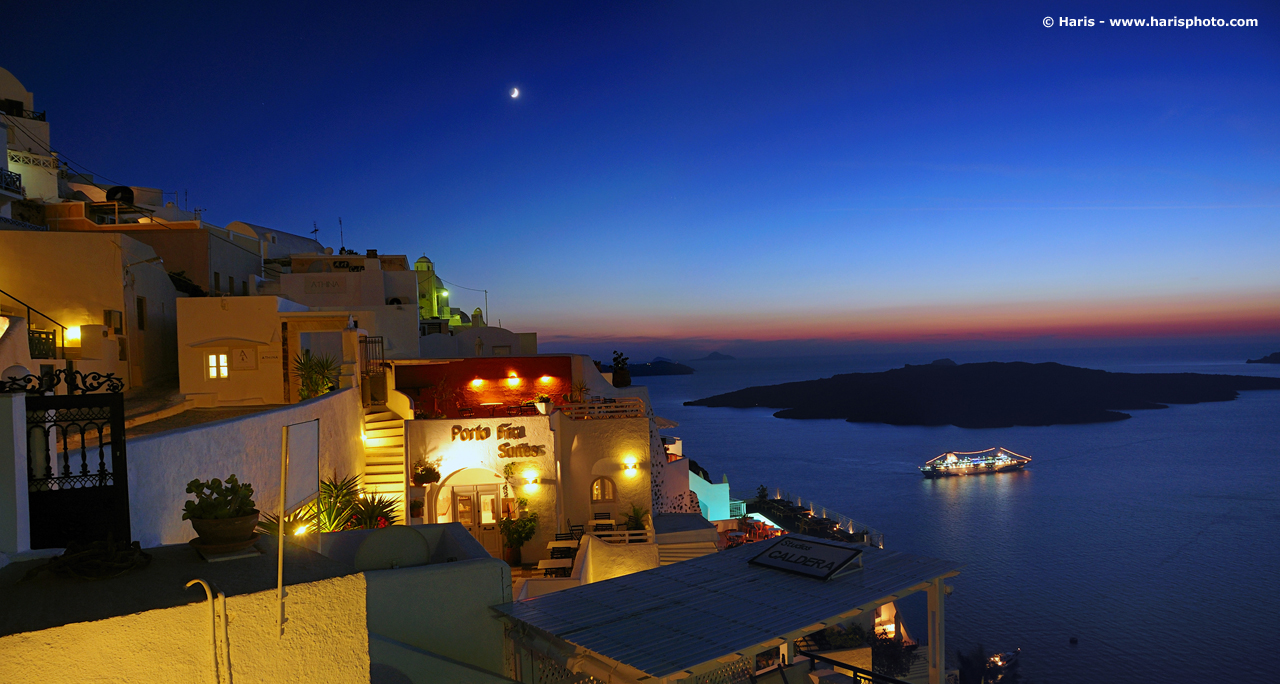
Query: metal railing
(372, 355)
(40, 339)
(43, 344)
(863, 676)
(26, 114)
(12, 182)
(627, 407)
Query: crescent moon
(515, 92)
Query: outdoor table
(562, 544)
(492, 406)
(555, 563)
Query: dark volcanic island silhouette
(987, 395)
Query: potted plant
(516, 531)
(635, 519)
(416, 507)
(543, 402)
(621, 374)
(222, 513)
(425, 472)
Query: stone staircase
(385, 469)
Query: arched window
(602, 490)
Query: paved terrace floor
(49, 601)
(196, 416)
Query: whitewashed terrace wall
(326, 639)
(161, 465)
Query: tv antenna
(342, 242)
(315, 230)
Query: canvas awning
(665, 422)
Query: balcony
(627, 407)
(11, 184)
(17, 111)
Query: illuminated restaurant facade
(591, 455)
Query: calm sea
(1155, 541)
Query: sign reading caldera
(805, 557)
(506, 431)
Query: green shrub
(517, 531)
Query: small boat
(1002, 664)
(993, 460)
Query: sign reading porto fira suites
(506, 431)
(808, 558)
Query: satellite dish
(397, 546)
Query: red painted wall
(550, 375)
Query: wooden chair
(576, 531)
(513, 410)
(602, 527)
(602, 516)
(563, 552)
(565, 536)
(466, 411)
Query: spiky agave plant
(331, 511)
(316, 374)
(373, 511)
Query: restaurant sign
(506, 431)
(808, 558)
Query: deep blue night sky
(717, 171)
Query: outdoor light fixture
(73, 333)
(513, 380)
(545, 378)
(630, 469)
(477, 382)
(302, 529)
(530, 480)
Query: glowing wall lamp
(530, 480)
(73, 334)
(630, 466)
(477, 383)
(545, 379)
(513, 379)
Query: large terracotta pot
(511, 556)
(219, 531)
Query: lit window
(217, 366)
(602, 490)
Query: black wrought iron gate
(77, 474)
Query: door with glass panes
(476, 508)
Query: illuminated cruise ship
(993, 460)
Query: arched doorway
(473, 498)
